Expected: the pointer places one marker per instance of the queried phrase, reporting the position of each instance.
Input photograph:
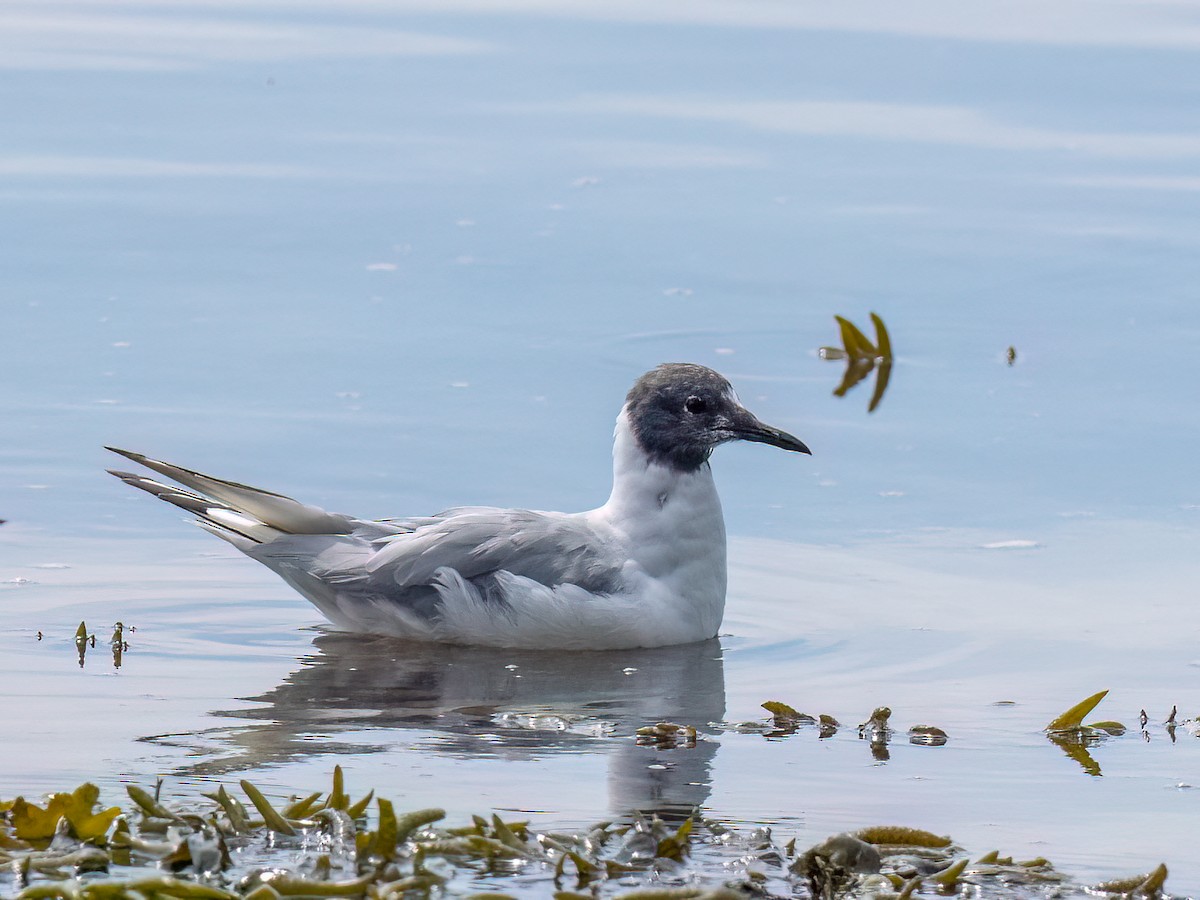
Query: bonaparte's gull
(646, 569)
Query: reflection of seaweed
(862, 357)
(1076, 747)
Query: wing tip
(128, 454)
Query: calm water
(395, 257)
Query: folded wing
(549, 548)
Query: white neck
(672, 527)
(641, 485)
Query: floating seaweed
(667, 736)
(927, 735)
(326, 845)
(785, 721)
(1068, 732)
(85, 640)
(862, 358)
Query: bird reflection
(475, 702)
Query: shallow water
(395, 258)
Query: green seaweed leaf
(238, 817)
(387, 833)
(31, 822)
(1073, 718)
(782, 710)
(359, 809)
(947, 879)
(302, 808)
(1139, 885)
(882, 340)
(410, 822)
(337, 797)
(271, 817)
(899, 835)
(507, 836)
(855, 342)
(148, 804)
(675, 846)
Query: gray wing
(551, 548)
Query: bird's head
(679, 412)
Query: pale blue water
(391, 259)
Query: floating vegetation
(329, 845)
(785, 721)
(86, 640)
(1068, 732)
(68, 848)
(1072, 719)
(901, 836)
(667, 736)
(927, 735)
(862, 358)
(1010, 355)
(81, 642)
(242, 842)
(1150, 885)
(897, 862)
(877, 731)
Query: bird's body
(646, 569)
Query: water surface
(395, 258)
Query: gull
(646, 569)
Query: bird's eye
(695, 405)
